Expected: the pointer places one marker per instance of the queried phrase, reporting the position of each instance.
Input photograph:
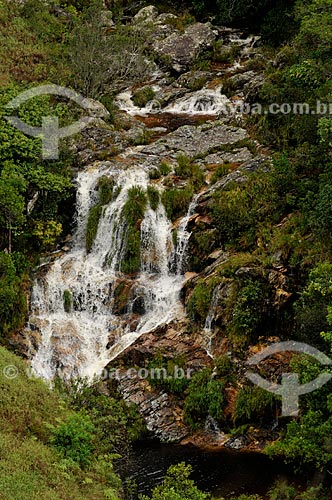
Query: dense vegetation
(47, 448)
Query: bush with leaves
(177, 486)
(74, 438)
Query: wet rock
(161, 412)
(236, 443)
(192, 140)
(179, 51)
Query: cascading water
(202, 102)
(183, 237)
(208, 326)
(72, 303)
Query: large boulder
(146, 15)
(179, 51)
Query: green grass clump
(154, 197)
(133, 214)
(105, 192)
(92, 226)
(164, 168)
(67, 301)
(219, 172)
(176, 201)
(143, 96)
(187, 169)
(162, 171)
(105, 189)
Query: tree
(100, 56)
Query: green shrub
(282, 491)
(225, 367)
(165, 375)
(247, 497)
(247, 306)
(177, 486)
(143, 96)
(200, 299)
(254, 404)
(13, 305)
(205, 396)
(74, 439)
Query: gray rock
(147, 14)
(95, 108)
(179, 51)
(237, 156)
(192, 140)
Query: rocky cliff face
(185, 130)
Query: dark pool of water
(224, 472)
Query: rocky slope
(188, 109)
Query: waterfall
(76, 336)
(183, 237)
(208, 330)
(202, 102)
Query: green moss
(67, 301)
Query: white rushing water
(201, 102)
(208, 326)
(75, 338)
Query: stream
(222, 472)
